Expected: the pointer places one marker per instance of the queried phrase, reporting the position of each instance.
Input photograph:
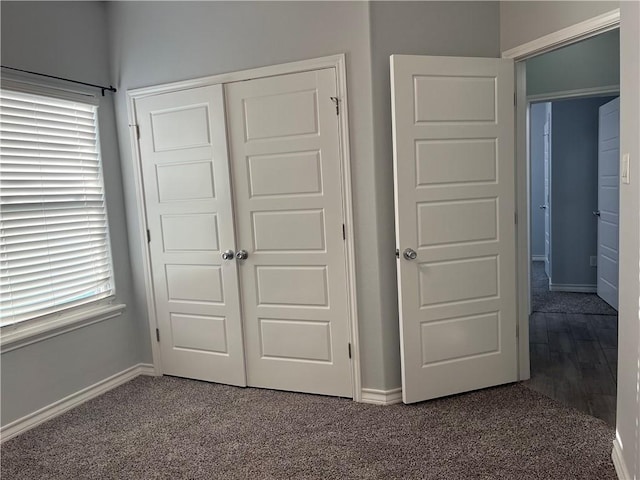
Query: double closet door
(242, 186)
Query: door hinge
(515, 217)
(336, 100)
(515, 99)
(137, 128)
(158, 334)
(349, 350)
(344, 232)
(397, 253)
(148, 236)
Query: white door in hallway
(547, 190)
(608, 201)
(453, 130)
(187, 194)
(284, 148)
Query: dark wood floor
(574, 359)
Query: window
(54, 244)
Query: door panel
(472, 336)
(466, 161)
(295, 339)
(476, 221)
(188, 199)
(272, 230)
(608, 201)
(454, 194)
(293, 174)
(287, 189)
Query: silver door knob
(542, 207)
(227, 255)
(409, 254)
(242, 254)
(596, 213)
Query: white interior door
(608, 201)
(547, 191)
(189, 213)
(453, 130)
(284, 144)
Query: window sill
(19, 335)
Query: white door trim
(546, 43)
(565, 36)
(523, 223)
(334, 61)
(577, 93)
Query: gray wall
(168, 41)
(537, 117)
(154, 43)
(574, 189)
(70, 40)
(419, 28)
(159, 42)
(522, 22)
(628, 401)
(594, 62)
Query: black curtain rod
(109, 88)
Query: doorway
(572, 156)
(574, 207)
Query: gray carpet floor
(170, 428)
(542, 300)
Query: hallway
(574, 360)
(574, 356)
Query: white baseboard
(71, 401)
(538, 258)
(573, 287)
(618, 461)
(147, 369)
(381, 397)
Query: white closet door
(453, 130)
(188, 200)
(284, 148)
(608, 201)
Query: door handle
(542, 207)
(227, 255)
(242, 254)
(596, 213)
(409, 254)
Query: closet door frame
(333, 61)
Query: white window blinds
(54, 246)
